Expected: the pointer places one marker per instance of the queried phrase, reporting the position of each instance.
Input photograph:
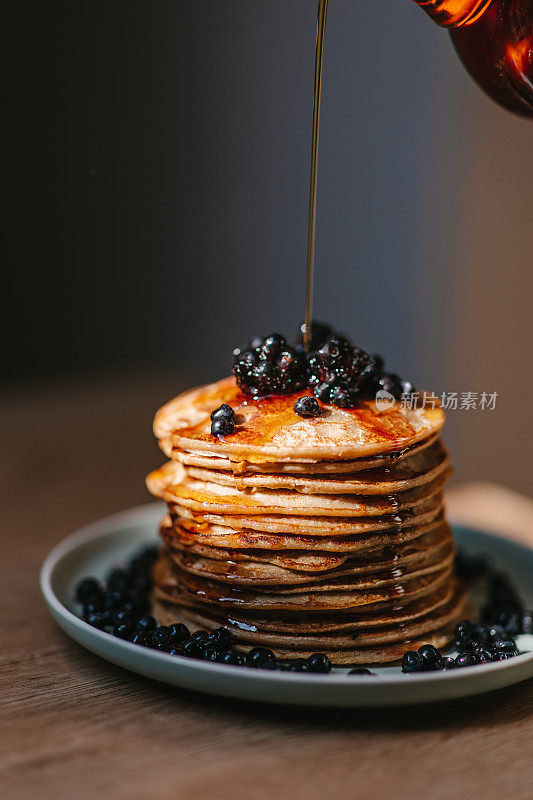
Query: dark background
(157, 184)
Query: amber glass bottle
(494, 40)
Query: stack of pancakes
(304, 535)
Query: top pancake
(268, 429)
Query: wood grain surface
(74, 726)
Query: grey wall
(162, 160)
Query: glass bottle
(494, 40)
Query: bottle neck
(454, 13)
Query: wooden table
(74, 726)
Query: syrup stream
(320, 32)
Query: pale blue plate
(93, 550)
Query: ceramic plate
(93, 550)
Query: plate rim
(103, 527)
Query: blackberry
(307, 407)
(336, 371)
(269, 366)
(223, 411)
(222, 426)
(320, 333)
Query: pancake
(268, 429)
(189, 533)
(417, 470)
(426, 511)
(382, 615)
(261, 572)
(302, 466)
(181, 588)
(172, 484)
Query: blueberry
(502, 655)
(307, 406)
(261, 658)
(480, 633)
(138, 637)
(210, 653)
(232, 657)
(193, 649)
(147, 623)
(123, 617)
(462, 636)
(175, 651)
(178, 633)
(141, 584)
(96, 619)
(199, 637)
(159, 637)
(448, 663)
(412, 662)
(318, 662)
(86, 589)
(432, 659)
(298, 665)
(466, 660)
(222, 426)
(112, 600)
(123, 631)
(94, 607)
(220, 637)
(117, 580)
(361, 671)
(527, 622)
(223, 411)
(483, 654)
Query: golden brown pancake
(307, 466)
(269, 429)
(418, 470)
